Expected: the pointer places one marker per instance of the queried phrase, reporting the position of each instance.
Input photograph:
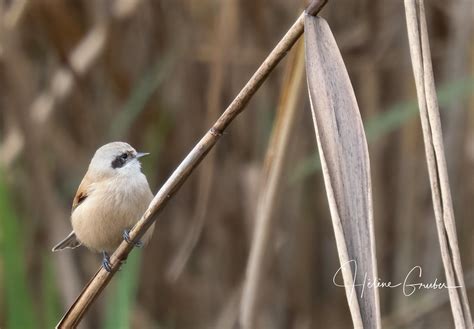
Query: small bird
(110, 200)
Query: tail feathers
(70, 242)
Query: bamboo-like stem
(92, 290)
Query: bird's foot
(126, 237)
(106, 262)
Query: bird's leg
(106, 261)
(126, 237)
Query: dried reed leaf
(346, 169)
(435, 156)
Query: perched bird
(110, 200)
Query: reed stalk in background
(268, 192)
(225, 33)
(435, 156)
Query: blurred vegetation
(148, 74)
(391, 119)
(18, 297)
(121, 300)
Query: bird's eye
(120, 160)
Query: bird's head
(116, 158)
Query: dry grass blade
(346, 169)
(272, 174)
(435, 156)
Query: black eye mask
(121, 160)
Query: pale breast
(99, 221)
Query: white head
(117, 158)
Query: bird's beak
(141, 154)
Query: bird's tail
(70, 242)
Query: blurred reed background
(77, 74)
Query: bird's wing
(83, 191)
(70, 242)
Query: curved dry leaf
(346, 169)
